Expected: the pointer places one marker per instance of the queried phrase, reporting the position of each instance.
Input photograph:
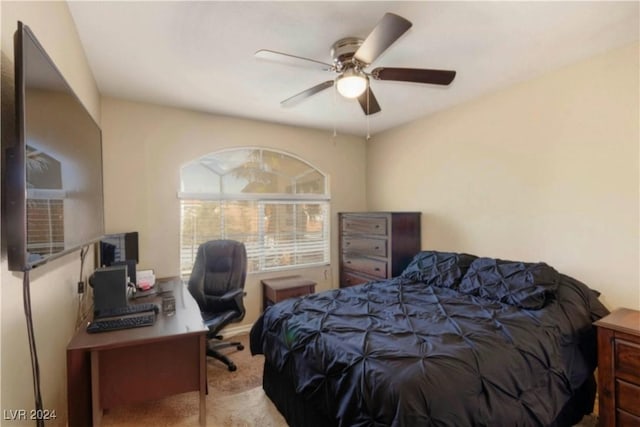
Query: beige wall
(53, 286)
(145, 146)
(545, 170)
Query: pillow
(444, 269)
(524, 285)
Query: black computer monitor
(131, 269)
(120, 247)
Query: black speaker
(109, 287)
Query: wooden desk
(134, 365)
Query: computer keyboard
(123, 311)
(114, 324)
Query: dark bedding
(410, 351)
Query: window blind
(276, 234)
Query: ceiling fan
(352, 55)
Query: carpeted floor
(235, 399)
(248, 375)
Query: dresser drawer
(370, 266)
(351, 279)
(628, 397)
(364, 225)
(365, 246)
(627, 360)
(625, 419)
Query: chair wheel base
(240, 347)
(232, 367)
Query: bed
(456, 340)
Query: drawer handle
(348, 243)
(377, 247)
(348, 262)
(377, 225)
(377, 269)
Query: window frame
(261, 199)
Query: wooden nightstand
(280, 288)
(619, 368)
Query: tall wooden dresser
(376, 245)
(619, 368)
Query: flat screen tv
(53, 172)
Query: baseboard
(236, 330)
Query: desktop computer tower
(109, 287)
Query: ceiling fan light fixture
(352, 56)
(352, 83)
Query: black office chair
(217, 284)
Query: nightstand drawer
(365, 225)
(627, 360)
(294, 292)
(365, 246)
(281, 288)
(370, 266)
(628, 397)
(351, 279)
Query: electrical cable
(83, 254)
(35, 367)
(82, 289)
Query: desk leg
(203, 380)
(96, 410)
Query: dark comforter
(406, 353)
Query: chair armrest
(231, 301)
(231, 295)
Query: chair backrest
(220, 267)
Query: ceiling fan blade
(368, 102)
(306, 93)
(416, 75)
(388, 30)
(285, 58)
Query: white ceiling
(200, 55)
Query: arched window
(275, 203)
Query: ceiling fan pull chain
(335, 99)
(368, 110)
(368, 133)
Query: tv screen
(53, 172)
